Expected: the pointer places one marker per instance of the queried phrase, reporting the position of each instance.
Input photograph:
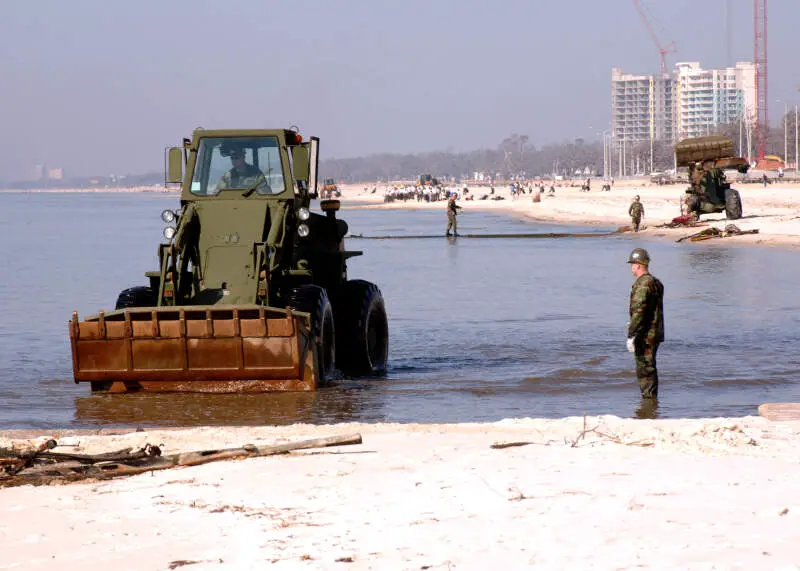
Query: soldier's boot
(649, 387)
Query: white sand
(774, 211)
(666, 494)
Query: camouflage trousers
(635, 221)
(646, 370)
(451, 223)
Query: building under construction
(688, 102)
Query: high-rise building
(711, 97)
(642, 107)
(688, 102)
(55, 173)
(39, 172)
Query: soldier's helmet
(639, 256)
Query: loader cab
(252, 164)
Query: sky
(100, 87)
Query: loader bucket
(700, 149)
(195, 349)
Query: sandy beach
(573, 493)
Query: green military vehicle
(709, 190)
(251, 293)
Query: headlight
(168, 216)
(169, 232)
(303, 214)
(302, 230)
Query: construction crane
(662, 50)
(760, 61)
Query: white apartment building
(642, 107)
(689, 102)
(711, 97)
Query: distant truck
(709, 190)
(330, 189)
(428, 179)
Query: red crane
(662, 50)
(760, 61)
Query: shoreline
(773, 211)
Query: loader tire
(139, 296)
(363, 329)
(733, 204)
(314, 300)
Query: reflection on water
(480, 329)
(213, 409)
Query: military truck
(709, 190)
(251, 292)
(428, 179)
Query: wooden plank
(780, 410)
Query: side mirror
(313, 162)
(300, 162)
(174, 165)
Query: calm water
(480, 329)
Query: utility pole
(760, 60)
(785, 133)
(795, 140)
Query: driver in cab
(242, 174)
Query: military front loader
(709, 190)
(251, 293)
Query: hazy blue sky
(100, 86)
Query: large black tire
(139, 296)
(363, 329)
(314, 300)
(733, 204)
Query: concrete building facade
(688, 102)
(711, 97)
(642, 107)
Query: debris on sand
(708, 233)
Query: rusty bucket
(196, 349)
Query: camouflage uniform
(646, 328)
(452, 212)
(247, 177)
(636, 211)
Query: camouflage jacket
(248, 177)
(452, 209)
(636, 210)
(647, 309)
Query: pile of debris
(680, 221)
(708, 233)
(34, 461)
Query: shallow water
(480, 329)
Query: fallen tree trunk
(76, 467)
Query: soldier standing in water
(646, 325)
(452, 212)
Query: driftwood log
(58, 467)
